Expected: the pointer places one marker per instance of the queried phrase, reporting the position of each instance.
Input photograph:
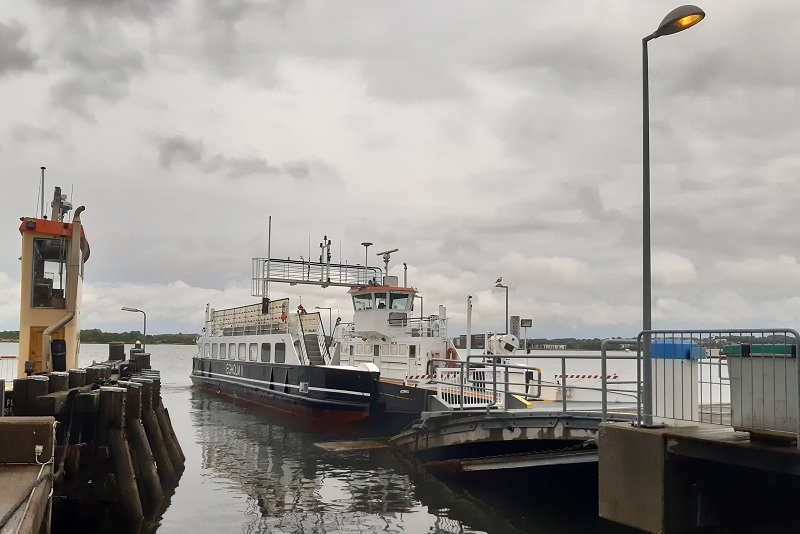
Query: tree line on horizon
(95, 335)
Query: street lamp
(330, 333)
(499, 283)
(144, 328)
(676, 20)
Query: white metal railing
(575, 379)
(744, 378)
(475, 390)
(8, 368)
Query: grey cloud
(180, 150)
(14, 57)
(100, 74)
(139, 9)
(23, 133)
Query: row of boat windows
(378, 300)
(246, 352)
(381, 349)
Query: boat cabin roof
(370, 289)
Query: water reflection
(292, 485)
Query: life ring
(452, 357)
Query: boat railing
(511, 380)
(432, 326)
(249, 320)
(747, 379)
(309, 272)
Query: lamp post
(330, 313)
(500, 284)
(676, 20)
(144, 328)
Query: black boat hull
(329, 395)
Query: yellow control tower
(53, 254)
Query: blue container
(676, 349)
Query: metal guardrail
(485, 381)
(747, 379)
(309, 272)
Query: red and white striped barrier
(591, 377)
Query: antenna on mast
(41, 213)
(386, 255)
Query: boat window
(242, 356)
(214, 348)
(380, 300)
(49, 273)
(362, 301)
(412, 351)
(385, 349)
(393, 349)
(231, 351)
(376, 350)
(403, 349)
(280, 352)
(265, 350)
(399, 301)
(222, 347)
(206, 350)
(253, 352)
(359, 350)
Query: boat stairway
(312, 350)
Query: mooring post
(77, 378)
(153, 494)
(112, 406)
(166, 471)
(38, 385)
(170, 440)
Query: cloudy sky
(482, 139)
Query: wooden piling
(20, 406)
(77, 378)
(58, 381)
(37, 385)
(166, 471)
(151, 492)
(94, 374)
(124, 476)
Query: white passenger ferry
(373, 370)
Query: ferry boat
(266, 354)
(374, 370)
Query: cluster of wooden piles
(115, 449)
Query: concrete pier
(683, 478)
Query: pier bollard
(77, 378)
(94, 374)
(38, 385)
(172, 431)
(20, 406)
(116, 351)
(151, 492)
(170, 440)
(166, 471)
(112, 418)
(59, 381)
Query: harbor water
(249, 471)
